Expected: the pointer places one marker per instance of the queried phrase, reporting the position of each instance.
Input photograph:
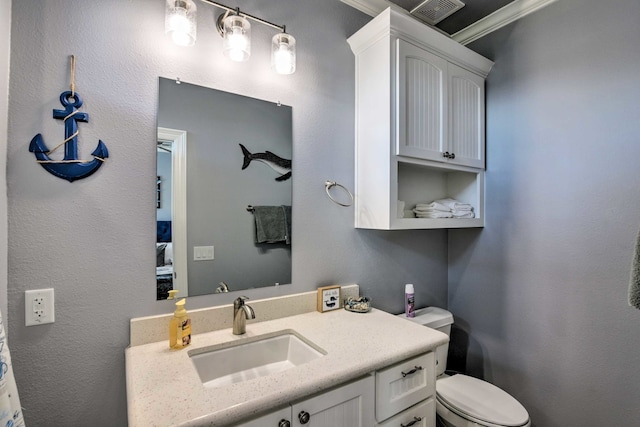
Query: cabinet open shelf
(418, 183)
(421, 182)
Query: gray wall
(5, 39)
(542, 290)
(219, 190)
(93, 240)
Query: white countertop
(163, 387)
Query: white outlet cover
(39, 307)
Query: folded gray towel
(273, 223)
(287, 217)
(634, 282)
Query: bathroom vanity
(372, 369)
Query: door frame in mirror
(178, 139)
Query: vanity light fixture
(180, 21)
(235, 29)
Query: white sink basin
(254, 357)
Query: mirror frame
(178, 139)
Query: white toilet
(464, 401)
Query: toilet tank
(440, 320)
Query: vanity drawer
(401, 386)
(421, 415)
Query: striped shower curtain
(10, 410)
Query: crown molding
(512, 12)
(490, 23)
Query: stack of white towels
(444, 208)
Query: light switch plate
(39, 307)
(202, 253)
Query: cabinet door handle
(304, 417)
(413, 371)
(284, 423)
(452, 156)
(446, 155)
(415, 420)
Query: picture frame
(329, 298)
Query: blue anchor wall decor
(70, 168)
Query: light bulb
(283, 54)
(180, 21)
(237, 38)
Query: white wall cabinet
(420, 122)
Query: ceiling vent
(434, 11)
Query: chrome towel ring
(329, 184)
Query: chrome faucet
(223, 287)
(241, 312)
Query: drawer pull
(415, 420)
(284, 423)
(413, 371)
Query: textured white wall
(92, 240)
(5, 40)
(542, 290)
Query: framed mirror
(224, 191)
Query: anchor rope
(70, 115)
(76, 133)
(73, 113)
(73, 75)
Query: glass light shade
(237, 38)
(180, 21)
(283, 53)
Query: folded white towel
(433, 206)
(464, 214)
(428, 210)
(454, 205)
(400, 211)
(434, 214)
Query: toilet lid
(480, 400)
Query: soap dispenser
(180, 327)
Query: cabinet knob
(452, 156)
(304, 417)
(284, 423)
(446, 155)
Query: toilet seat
(480, 402)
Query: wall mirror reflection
(224, 191)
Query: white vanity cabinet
(345, 406)
(405, 393)
(401, 394)
(280, 418)
(420, 123)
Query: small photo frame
(329, 298)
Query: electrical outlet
(39, 307)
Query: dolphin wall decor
(278, 164)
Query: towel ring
(327, 187)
